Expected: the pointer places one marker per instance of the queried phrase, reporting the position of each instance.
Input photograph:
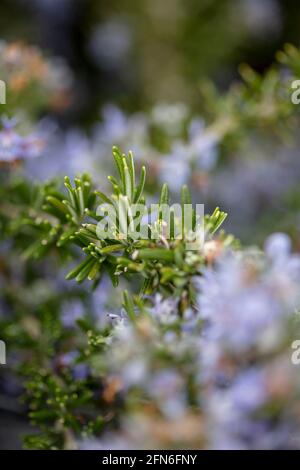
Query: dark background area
(136, 53)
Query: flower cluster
(165, 137)
(250, 385)
(14, 146)
(220, 377)
(31, 80)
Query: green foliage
(63, 369)
(42, 220)
(60, 222)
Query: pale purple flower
(278, 246)
(71, 312)
(175, 168)
(242, 297)
(168, 389)
(14, 146)
(203, 145)
(164, 310)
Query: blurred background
(128, 61)
(143, 74)
(136, 53)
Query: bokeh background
(137, 53)
(135, 67)
(140, 56)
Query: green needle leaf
(139, 190)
